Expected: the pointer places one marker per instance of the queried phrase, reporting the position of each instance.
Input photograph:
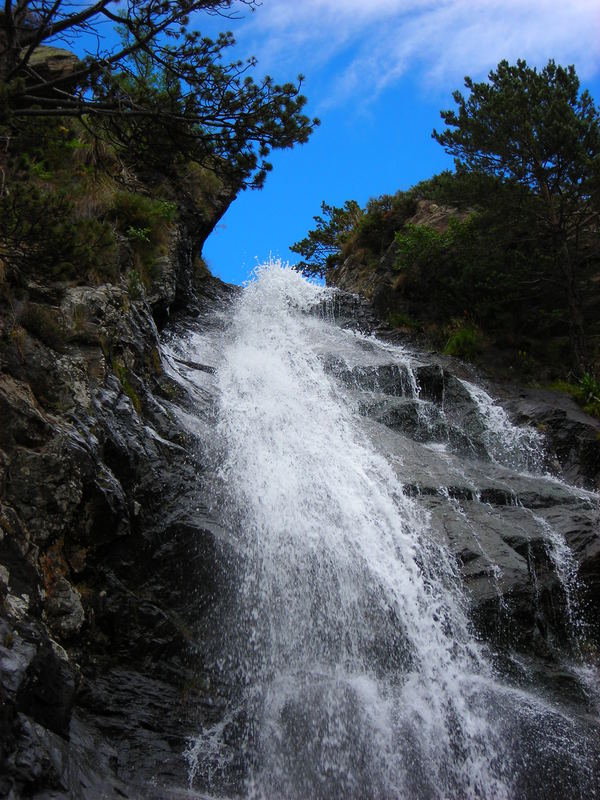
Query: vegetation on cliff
(158, 85)
(535, 130)
(101, 156)
(510, 260)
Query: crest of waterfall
(353, 667)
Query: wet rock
(94, 552)
(37, 687)
(388, 379)
(423, 422)
(39, 759)
(573, 437)
(16, 655)
(498, 521)
(47, 690)
(350, 311)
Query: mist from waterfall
(354, 668)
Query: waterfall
(353, 667)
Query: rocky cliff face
(99, 674)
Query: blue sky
(377, 74)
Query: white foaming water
(565, 567)
(357, 672)
(566, 570)
(507, 444)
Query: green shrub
(461, 270)
(464, 342)
(135, 213)
(135, 287)
(589, 394)
(41, 235)
(63, 201)
(418, 246)
(138, 234)
(589, 388)
(382, 218)
(146, 223)
(397, 319)
(593, 409)
(586, 392)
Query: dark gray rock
(99, 651)
(501, 523)
(573, 437)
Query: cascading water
(351, 665)
(520, 448)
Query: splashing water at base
(353, 667)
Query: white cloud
(367, 45)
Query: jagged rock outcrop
(572, 435)
(52, 63)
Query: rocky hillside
(438, 273)
(380, 284)
(113, 171)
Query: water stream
(362, 503)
